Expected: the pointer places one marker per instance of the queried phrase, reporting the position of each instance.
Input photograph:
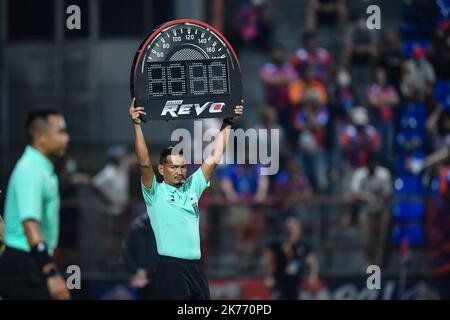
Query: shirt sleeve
(149, 193)
(29, 193)
(355, 182)
(197, 182)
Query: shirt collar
(39, 158)
(171, 188)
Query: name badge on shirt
(194, 205)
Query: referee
(31, 215)
(173, 207)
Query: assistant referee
(31, 215)
(173, 212)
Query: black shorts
(20, 277)
(180, 279)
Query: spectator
(344, 100)
(371, 187)
(70, 181)
(359, 138)
(285, 263)
(244, 189)
(438, 220)
(253, 19)
(325, 11)
(418, 78)
(383, 98)
(112, 185)
(292, 189)
(439, 234)
(269, 121)
(310, 122)
(345, 96)
(140, 255)
(440, 59)
(360, 43)
(360, 50)
(307, 87)
(314, 56)
(391, 58)
(276, 76)
(112, 182)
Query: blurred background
(359, 111)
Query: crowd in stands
(360, 122)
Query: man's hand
(136, 112)
(238, 111)
(139, 279)
(57, 288)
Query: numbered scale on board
(186, 69)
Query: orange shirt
(298, 88)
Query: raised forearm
(142, 154)
(141, 147)
(221, 142)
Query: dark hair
(307, 36)
(36, 119)
(165, 153)
(372, 158)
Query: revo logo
(176, 108)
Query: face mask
(343, 79)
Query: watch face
(41, 247)
(186, 69)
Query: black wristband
(229, 121)
(51, 273)
(40, 254)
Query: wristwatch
(51, 273)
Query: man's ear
(39, 138)
(161, 169)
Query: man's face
(277, 56)
(174, 171)
(381, 77)
(293, 227)
(310, 44)
(55, 139)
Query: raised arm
(143, 157)
(220, 144)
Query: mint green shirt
(32, 193)
(174, 215)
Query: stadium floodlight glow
(186, 69)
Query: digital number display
(187, 78)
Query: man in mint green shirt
(31, 215)
(172, 206)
